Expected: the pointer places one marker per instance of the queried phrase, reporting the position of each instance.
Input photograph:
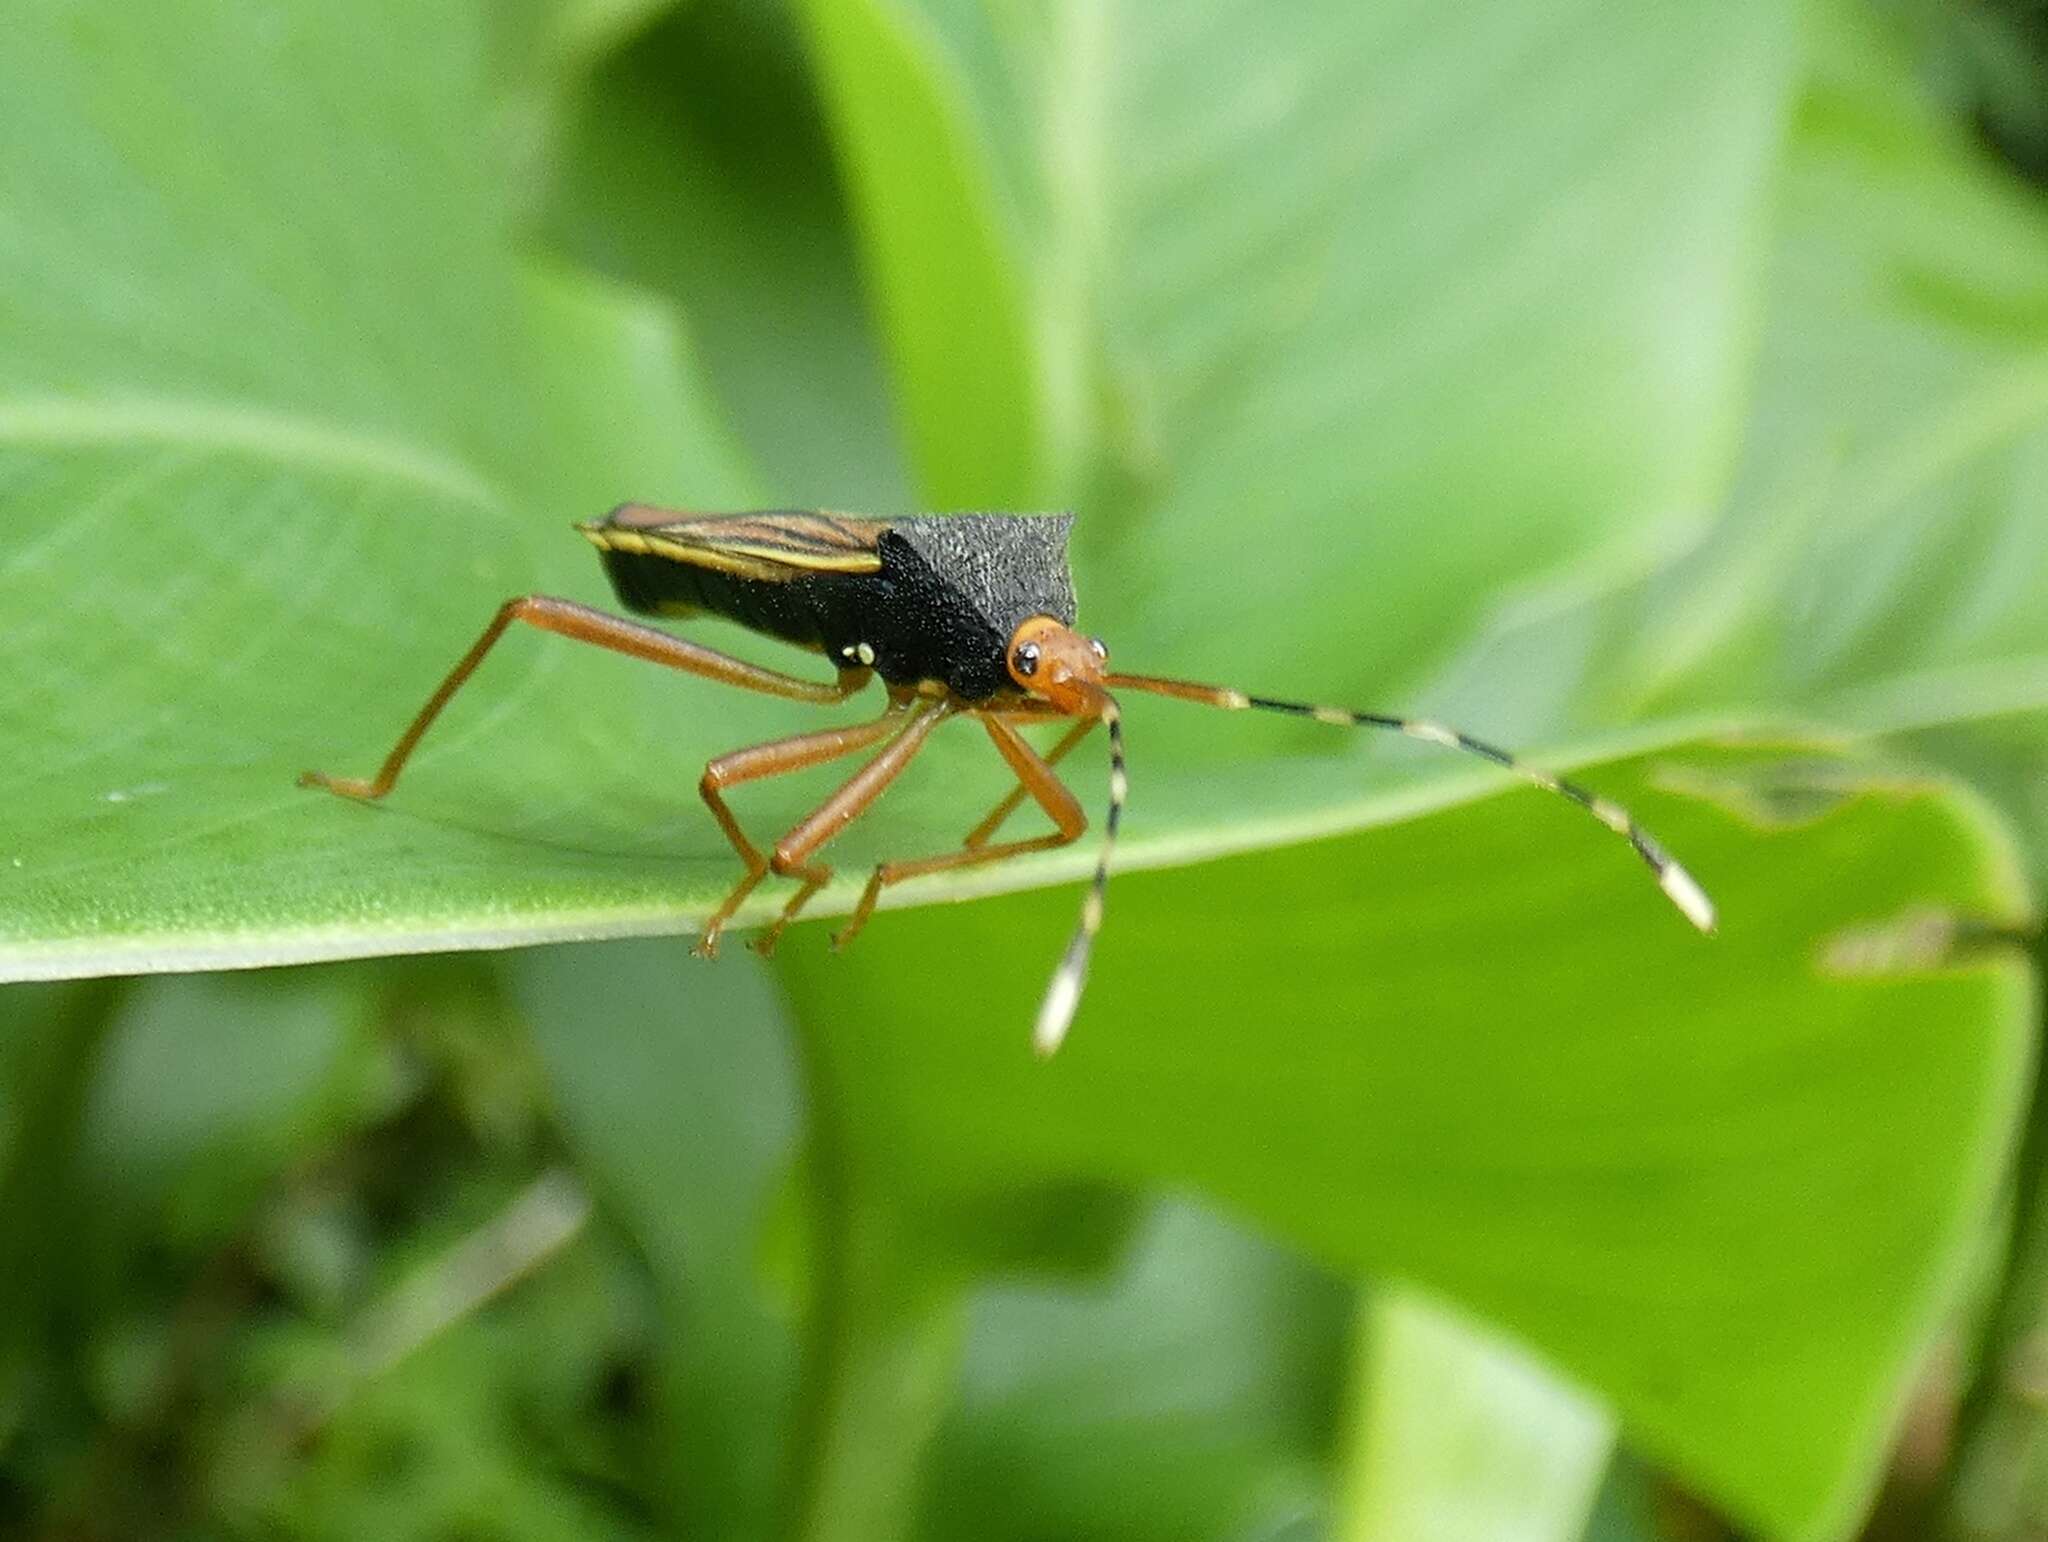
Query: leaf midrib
(287, 437)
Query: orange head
(1053, 661)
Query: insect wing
(773, 545)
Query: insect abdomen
(787, 609)
(650, 585)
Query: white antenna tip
(1688, 896)
(1057, 1012)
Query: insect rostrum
(966, 615)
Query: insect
(968, 615)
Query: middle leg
(774, 759)
(792, 853)
(1036, 777)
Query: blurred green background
(1662, 389)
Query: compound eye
(1101, 648)
(1025, 659)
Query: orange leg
(565, 618)
(1035, 776)
(776, 759)
(853, 799)
(979, 835)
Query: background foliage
(1664, 388)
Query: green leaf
(282, 416)
(1462, 1438)
(1377, 304)
(50, 1043)
(676, 1093)
(271, 538)
(545, 50)
(1644, 1154)
(273, 444)
(354, 474)
(1187, 1393)
(1881, 558)
(484, 1429)
(973, 408)
(697, 167)
(1900, 460)
(207, 1087)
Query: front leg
(983, 832)
(1036, 777)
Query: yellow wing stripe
(770, 547)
